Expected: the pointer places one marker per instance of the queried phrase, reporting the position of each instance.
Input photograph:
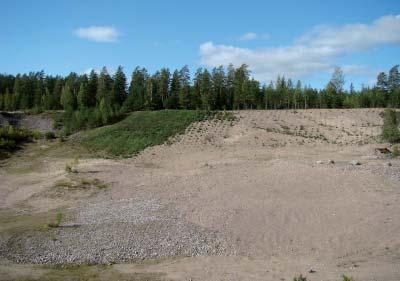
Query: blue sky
(299, 39)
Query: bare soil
(266, 197)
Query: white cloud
(253, 36)
(248, 36)
(98, 33)
(311, 53)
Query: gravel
(115, 231)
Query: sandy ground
(263, 182)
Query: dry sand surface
(256, 199)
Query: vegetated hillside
(140, 130)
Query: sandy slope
(257, 183)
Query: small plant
(49, 135)
(68, 168)
(71, 167)
(345, 278)
(58, 218)
(36, 135)
(300, 278)
(396, 151)
(57, 221)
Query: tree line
(98, 97)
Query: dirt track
(263, 186)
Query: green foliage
(50, 135)
(216, 89)
(86, 118)
(140, 130)
(390, 130)
(57, 220)
(11, 138)
(300, 278)
(59, 216)
(396, 151)
(345, 278)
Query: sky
(297, 39)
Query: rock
(330, 161)
(355, 163)
(388, 164)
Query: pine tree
(297, 95)
(47, 100)
(17, 92)
(104, 87)
(119, 86)
(83, 94)
(163, 85)
(56, 93)
(239, 95)
(393, 81)
(206, 93)
(184, 87)
(68, 100)
(136, 95)
(173, 97)
(196, 89)
(219, 87)
(230, 80)
(92, 88)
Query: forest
(95, 99)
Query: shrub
(36, 135)
(300, 278)
(50, 135)
(390, 130)
(396, 151)
(345, 278)
(11, 137)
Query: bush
(36, 135)
(345, 278)
(390, 130)
(11, 138)
(396, 151)
(50, 135)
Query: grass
(57, 220)
(139, 131)
(81, 183)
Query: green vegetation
(11, 138)
(390, 131)
(76, 183)
(300, 278)
(140, 130)
(57, 220)
(396, 151)
(49, 135)
(99, 98)
(345, 278)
